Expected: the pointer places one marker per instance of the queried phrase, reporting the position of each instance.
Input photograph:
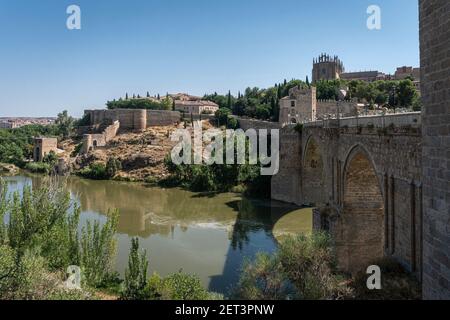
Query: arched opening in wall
(362, 217)
(313, 174)
(293, 121)
(95, 144)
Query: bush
(98, 247)
(38, 167)
(41, 234)
(263, 279)
(135, 274)
(96, 171)
(303, 268)
(51, 158)
(178, 286)
(309, 263)
(112, 167)
(222, 115)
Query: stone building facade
(98, 140)
(326, 67)
(299, 106)
(366, 76)
(43, 146)
(332, 68)
(196, 107)
(435, 83)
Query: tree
(307, 81)
(113, 166)
(126, 96)
(407, 93)
(65, 124)
(51, 158)
(136, 273)
(229, 104)
(222, 115)
(148, 94)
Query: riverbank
(206, 234)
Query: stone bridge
(363, 176)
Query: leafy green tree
(407, 93)
(135, 274)
(51, 158)
(113, 166)
(65, 124)
(98, 248)
(222, 115)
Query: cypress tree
(229, 99)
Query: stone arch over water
(362, 215)
(313, 174)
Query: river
(209, 235)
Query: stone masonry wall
(435, 87)
(396, 159)
(92, 141)
(246, 123)
(131, 119)
(286, 184)
(162, 118)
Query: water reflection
(206, 234)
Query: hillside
(141, 154)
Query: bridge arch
(362, 212)
(313, 176)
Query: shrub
(302, 268)
(112, 167)
(232, 123)
(222, 115)
(95, 171)
(29, 243)
(136, 274)
(180, 286)
(263, 279)
(51, 158)
(98, 247)
(38, 167)
(309, 263)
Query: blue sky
(194, 46)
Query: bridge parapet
(413, 119)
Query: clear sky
(194, 46)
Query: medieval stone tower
(326, 67)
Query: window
(293, 103)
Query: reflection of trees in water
(146, 211)
(253, 217)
